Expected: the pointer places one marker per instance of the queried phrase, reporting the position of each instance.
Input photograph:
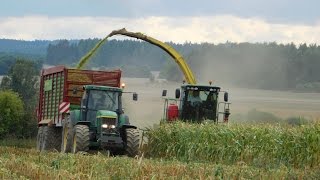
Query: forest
(269, 66)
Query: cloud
(215, 29)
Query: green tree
(11, 113)
(23, 79)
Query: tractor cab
(100, 103)
(196, 103)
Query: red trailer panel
(60, 84)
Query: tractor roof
(102, 88)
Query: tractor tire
(66, 136)
(50, 138)
(39, 138)
(81, 139)
(132, 142)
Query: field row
(19, 163)
(268, 146)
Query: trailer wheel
(81, 139)
(39, 138)
(66, 136)
(132, 142)
(50, 140)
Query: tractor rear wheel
(81, 139)
(50, 138)
(132, 142)
(39, 138)
(67, 133)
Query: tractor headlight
(112, 126)
(105, 126)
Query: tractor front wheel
(132, 142)
(81, 139)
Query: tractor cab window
(103, 100)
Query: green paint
(105, 113)
(74, 107)
(48, 85)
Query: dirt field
(148, 110)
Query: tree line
(253, 65)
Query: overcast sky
(168, 20)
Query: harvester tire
(39, 138)
(81, 139)
(50, 138)
(66, 136)
(132, 142)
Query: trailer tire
(39, 138)
(81, 138)
(132, 142)
(50, 140)
(66, 136)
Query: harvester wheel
(132, 146)
(50, 140)
(81, 139)
(67, 133)
(39, 138)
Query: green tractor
(100, 123)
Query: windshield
(103, 100)
(201, 95)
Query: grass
(21, 143)
(22, 163)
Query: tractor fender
(75, 117)
(126, 126)
(124, 120)
(83, 123)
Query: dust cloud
(148, 110)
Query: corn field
(23, 163)
(268, 146)
(181, 151)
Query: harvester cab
(196, 103)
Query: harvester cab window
(194, 98)
(199, 104)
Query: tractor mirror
(164, 93)
(226, 97)
(177, 93)
(135, 96)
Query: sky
(180, 21)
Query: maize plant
(257, 145)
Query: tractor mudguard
(75, 116)
(84, 123)
(124, 120)
(125, 126)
